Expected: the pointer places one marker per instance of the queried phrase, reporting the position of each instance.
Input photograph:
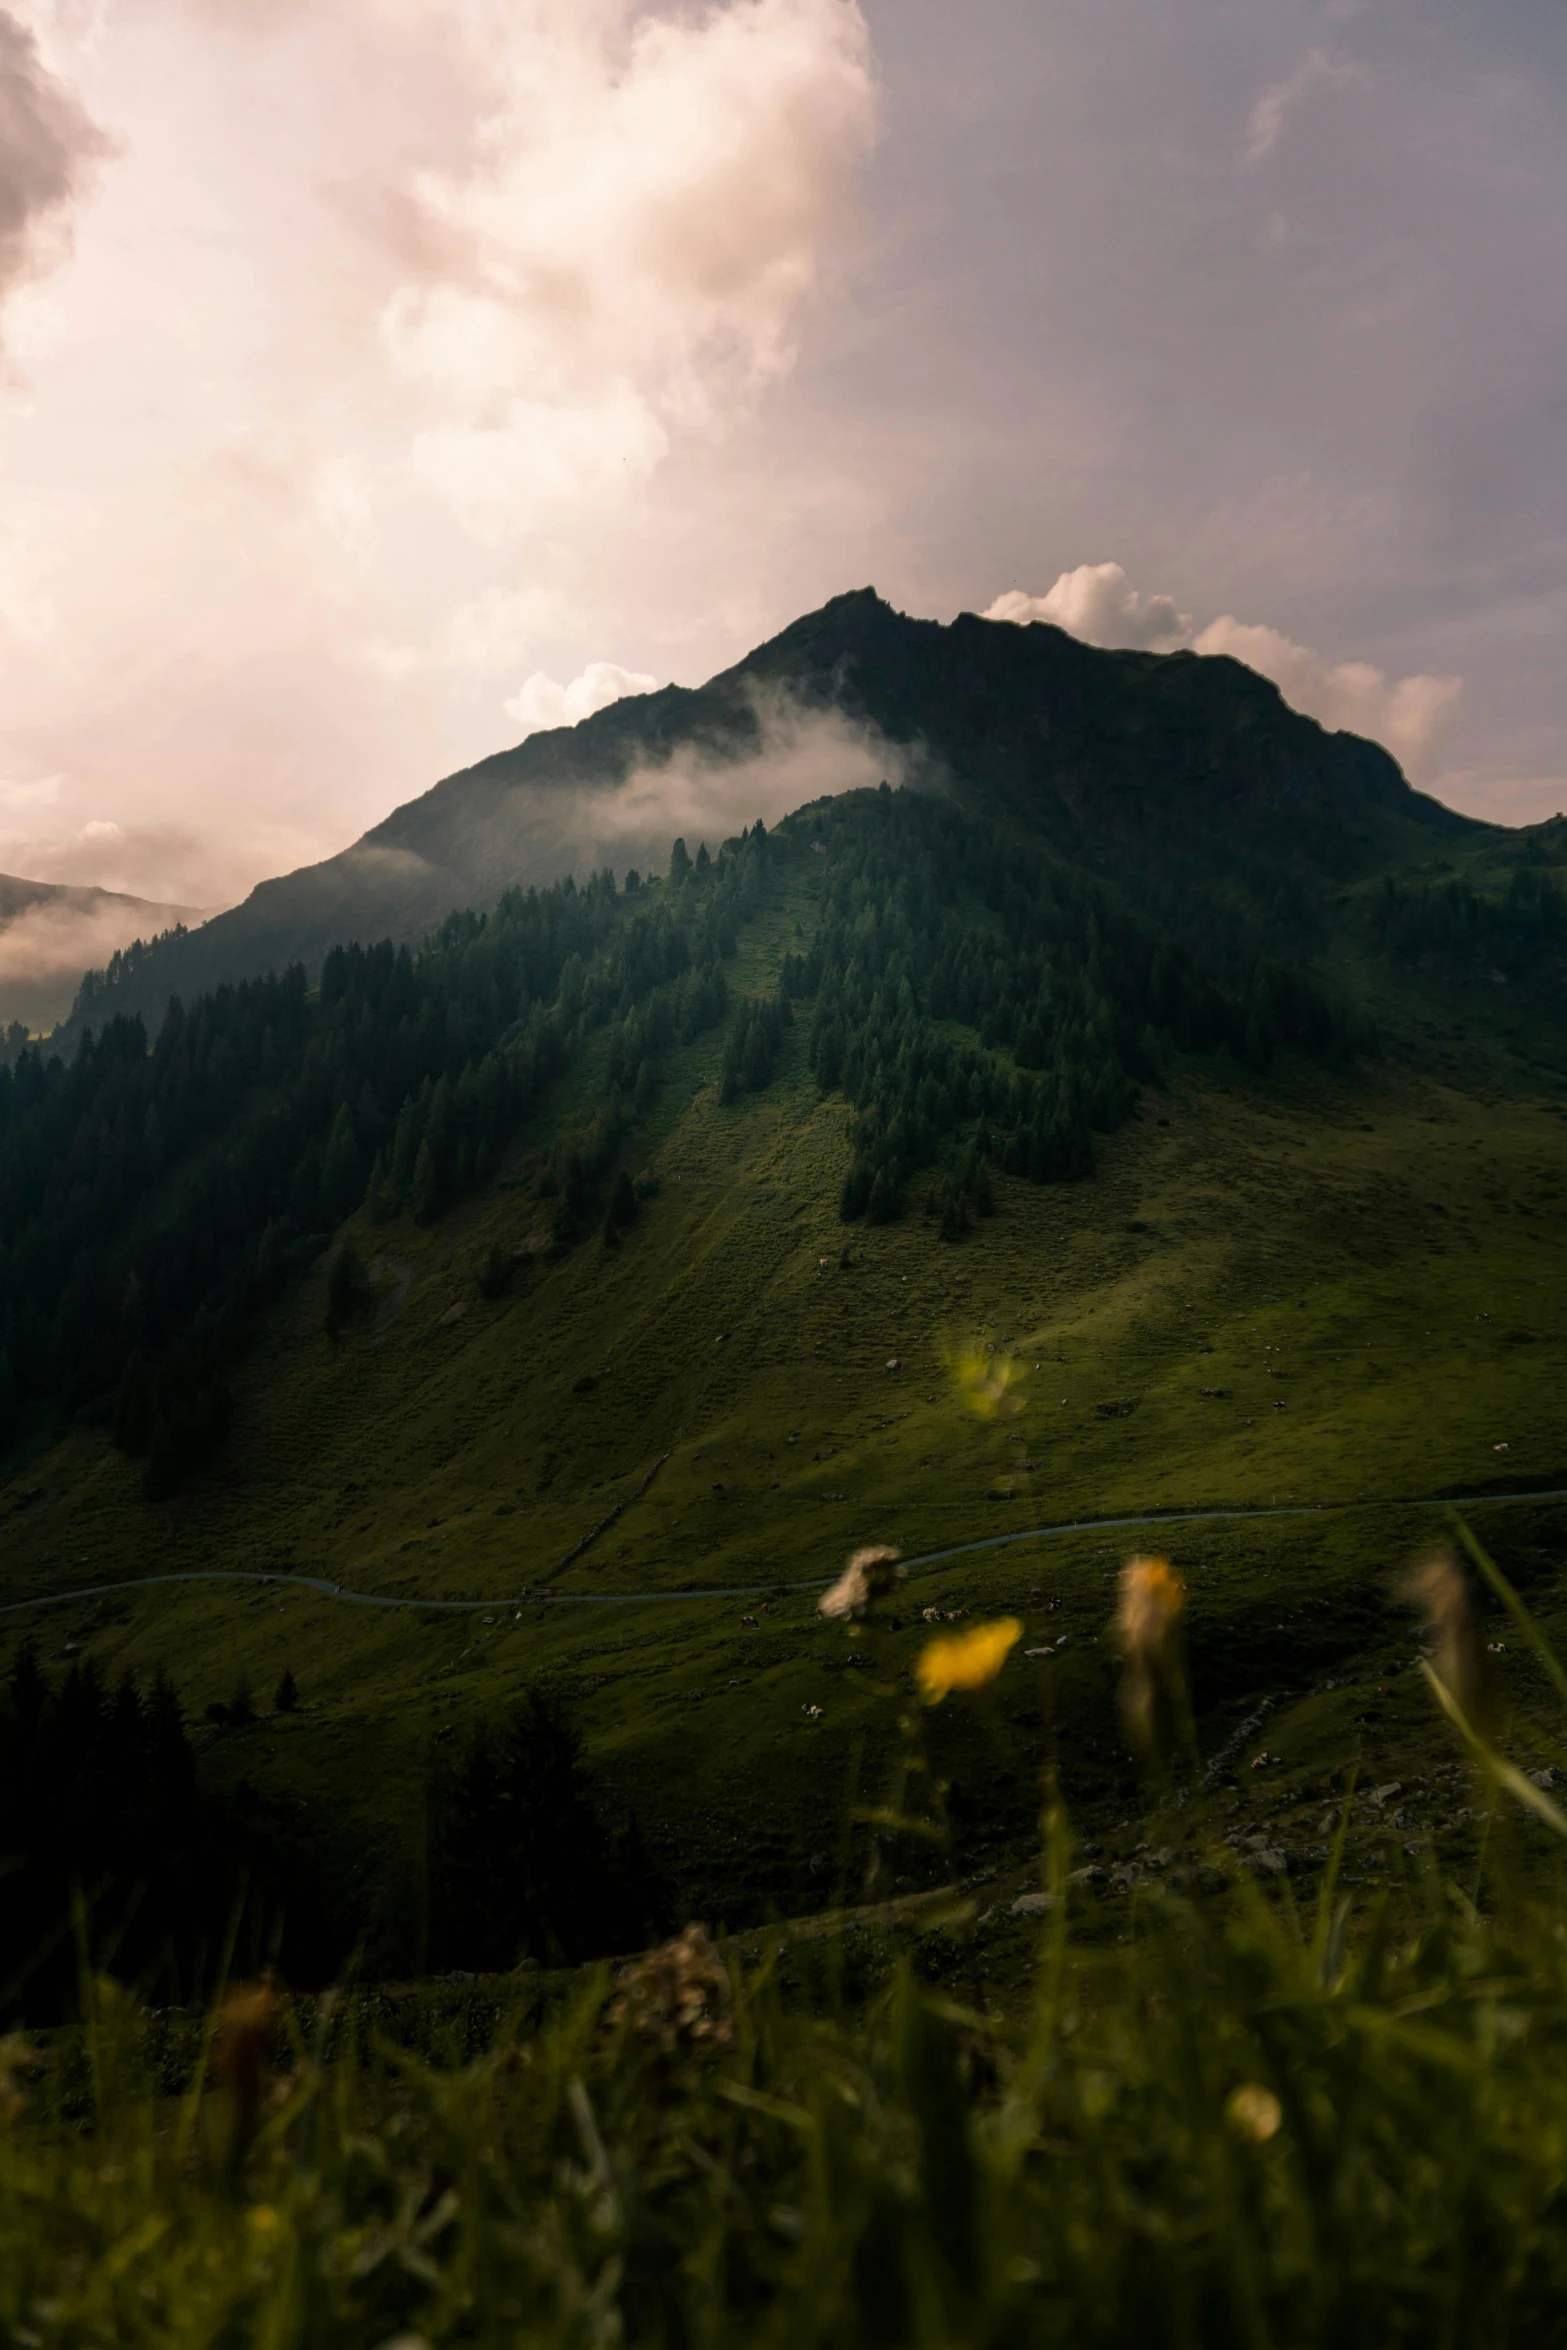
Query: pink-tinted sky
(384, 378)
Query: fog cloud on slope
(535, 833)
(48, 945)
(1097, 602)
(803, 756)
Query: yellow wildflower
(966, 1660)
(1152, 1598)
(986, 1382)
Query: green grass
(940, 2116)
(1221, 2115)
(1319, 1290)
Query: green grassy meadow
(1339, 1291)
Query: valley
(1320, 1290)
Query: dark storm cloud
(49, 150)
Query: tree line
(985, 1007)
(1066, 1002)
(154, 1196)
(1450, 926)
(118, 1848)
(113, 1850)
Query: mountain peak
(1107, 753)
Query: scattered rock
(1032, 1905)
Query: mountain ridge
(51, 930)
(1082, 744)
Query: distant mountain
(1106, 753)
(51, 933)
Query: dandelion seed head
(1436, 1585)
(869, 1576)
(677, 1996)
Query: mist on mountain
(1109, 752)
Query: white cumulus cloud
(543, 703)
(643, 214)
(1407, 714)
(1097, 602)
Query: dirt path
(733, 1591)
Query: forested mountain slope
(1105, 753)
(934, 1163)
(866, 1184)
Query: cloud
(19, 794)
(1408, 714)
(49, 153)
(165, 865)
(627, 253)
(46, 947)
(801, 756)
(1099, 603)
(542, 831)
(542, 703)
(1319, 69)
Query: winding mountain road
(733, 1591)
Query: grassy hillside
(1329, 1289)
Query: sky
(381, 380)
